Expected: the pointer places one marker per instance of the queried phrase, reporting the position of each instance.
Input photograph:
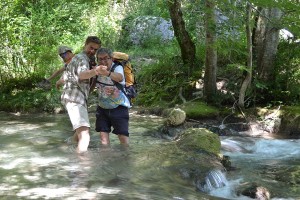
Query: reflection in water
(39, 161)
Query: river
(38, 161)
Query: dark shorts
(118, 118)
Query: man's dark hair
(93, 39)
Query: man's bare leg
(83, 135)
(104, 137)
(124, 140)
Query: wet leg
(124, 140)
(83, 135)
(104, 137)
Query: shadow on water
(38, 161)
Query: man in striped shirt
(76, 79)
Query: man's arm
(117, 74)
(56, 73)
(88, 74)
(59, 82)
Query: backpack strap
(119, 85)
(112, 69)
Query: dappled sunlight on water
(38, 160)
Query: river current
(38, 161)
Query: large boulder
(194, 156)
(145, 28)
(176, 117)
(290, 126)
(199, 139)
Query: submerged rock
(194, 156)
(289, 175)
(256, 192)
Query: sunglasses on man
(63, 55)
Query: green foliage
(20, 83)
(233, 50)
(164, 80)
(158, 82)
(32, 30)
(291, 8)
(34, 100)
(199, 110)
(232, 68)
(286, 86)
(21, 94)
(284, 90)
(292, 110)
(153, 8)
(167, 50)
(124, 40)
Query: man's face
(67, 56)
(91, 48)
(104, 59)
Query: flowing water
(38, 161)
(270, 163)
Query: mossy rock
(291, 110)
(290, 176)
(199, 110)
(254, 191)
(290, 123)
(176, 117)
(200, 139)
(192, 166)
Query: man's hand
(102, 70)
(59, 83)
(44, 84)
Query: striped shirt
(76, 90)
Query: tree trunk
(266, 42)
(187, 47)
(248, 78)
(211, 52)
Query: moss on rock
(292, 110)
(200, 139)
(199, 110)
(290, 123)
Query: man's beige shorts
(78, 115)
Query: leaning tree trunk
(211, 52)
(266, 42)
(187, 47)
(248, 78)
